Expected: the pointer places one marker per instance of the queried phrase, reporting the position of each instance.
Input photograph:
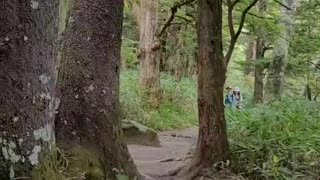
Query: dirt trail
(176, 147)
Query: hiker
(229, 100)
(238, 98)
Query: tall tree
(277, 70)
(27, 77)
(87, 123)
(259, 54)
(149, 51)
(212, 145)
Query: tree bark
(213, 145)
(150, 49)
(27, 77)
(87, 123)
(308, 92)
(277, 69)
(178, 60)
(259, 53)
(250, 57)
(258, 72)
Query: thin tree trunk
(277, 69)
(259, 53)
(149, 52)
(87, 123)
(308, 92)
(178, 60)
(27, 78)
(213, 145)
(258, 73)
(163, 55)
(250, 57)
(194, 67)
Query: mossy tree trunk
(277, 69)
(27, 77)
(87, 123)
(150, 50)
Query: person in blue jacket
(230, 100)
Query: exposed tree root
(190, 171)
(175, 172)
(147, 177)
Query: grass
(177, 108)
(277, 141)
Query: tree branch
(266, 48)
(230, 18)
(174, 10)
(234, 3)
(235, 36)
(260, 17)
(231, 5)
(283, 5)
(188, 21)
(316, 65)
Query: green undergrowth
(177, 108)
(277, 141)
(59, 165)
(280, 140)
(52, 167)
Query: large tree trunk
(277, 69)
(87, 123)
(213, 144)
(27, 78)
(212, 141)
(149, 52)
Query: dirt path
(175, 149)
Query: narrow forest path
(175, 151)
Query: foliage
(122, 177)
(177, 108)
(53, 167)
(276, 141)
(129, 53)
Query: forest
(160, 89)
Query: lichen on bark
(27, 55)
